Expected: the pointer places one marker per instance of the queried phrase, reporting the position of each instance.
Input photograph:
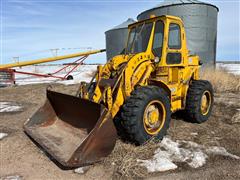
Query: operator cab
(163, 37)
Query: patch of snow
(16, 177)
(194, 134)
(81, 73)
(232, 68)
(159, 163)
(198, 159)
(220, 151)
(82, 170)
(193, 158)
(170, 152)
(3, 135)
(79, 170)
(9, 107)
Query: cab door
(174, 55)
(174, 50)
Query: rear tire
(199, 101)
(146, 114)
(69, 77)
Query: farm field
(190, 151)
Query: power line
(53, 51)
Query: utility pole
(54, 51)
(16, 59)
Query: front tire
(146, 114)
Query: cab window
(174, 40)
(139, 38)
(158, 39)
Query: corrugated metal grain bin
(116, 39)
(200, 21)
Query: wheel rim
(154, 117)
(206, 102)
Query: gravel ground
(21, 158)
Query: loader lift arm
(78, 131)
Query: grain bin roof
(179, 2)
(172, 2)
(123, 25)
(167, 3)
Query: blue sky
(30, 28)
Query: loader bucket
(74, 131)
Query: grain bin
(200, 21)
(116, 38)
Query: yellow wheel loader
(132, 95)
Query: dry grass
(124, 159)
(221, 80)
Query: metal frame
(76, 63)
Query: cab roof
(155, 18)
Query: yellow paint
(206, 102)
(154, 117)
(140, 69)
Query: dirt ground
(19, 156)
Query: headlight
(156, 60)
